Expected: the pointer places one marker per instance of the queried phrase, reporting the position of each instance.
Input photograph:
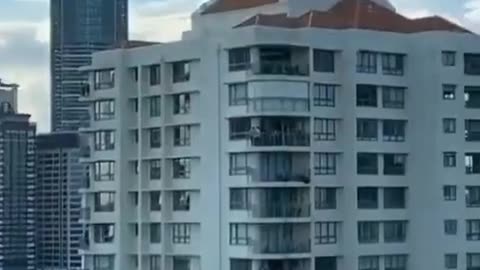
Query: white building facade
(319, 135)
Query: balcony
(472, 97)
(472, 130)
(281, 60)
(280, 210)
(280, 68)
(266, 176)
(280, 246)
(278, 104)
(274, 138)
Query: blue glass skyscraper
(79, 28)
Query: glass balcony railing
(280, 210)
(274, 175)
(280, 68)
(278, 246)
(274, 138)
(278, 104)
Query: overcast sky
(24, 34)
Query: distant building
(288, 135)
(60, 176)
(17, 186)
(79, 28)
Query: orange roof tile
(230, 5)
(356, 14)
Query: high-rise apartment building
(17, 184)
(79, 28)
(288, 135)
(60, 176)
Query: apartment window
(325, 198)
(367, 197)
(181, 135)
(181, 263)
(473, 261)
(394, 231)
(393, 64)
(155, 201)
(472, 163)
(135, 167)
(324, 129)
(104, 201)
(238, 94)
(323, 61)
(473, 196)
(155, 262)
(239, 234)
(181, 233)
(238, 59)
(326, 263)
(103, 233)
(368, 232)
(451, 261)
(393, 97)
(238, 164)
(472, 97)
(134, 136)
(155, 233)
(181, 104)
(368, 263)
(394, 130)
(104, 171)
(104, 140)
(155, 169)
(395, 262)
(103, 262)
(325, 233)
(155, 138)
(472, 63)
(240, 264)
(155, 106)
(366, 62)
(449, 91)
(394, 198)
(133, 72)
(473, 230)
(472, 130)
(450, 193)
(324, 95)
(181, 168)
(239, 199)
(367, 129)
(325, 163)
(449, 159)
(449, 125)
(104, 109)
(181, 201)
(450, 227)
(448, 58)
(155, 75)
(104, 79)
(366, 95)
(181, 71)
(394, 164)
(367, 163)
(240, 128)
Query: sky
(24, 37)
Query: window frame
(182, 136)
(325, 163)
(449, 58)
(449, 91)
(99, 114)
(325, 198)
(181, 168)
(155, 166)
(155, 138)
(393, 97)
(326, 233)
(239, 237)
(370, 235)
(321, 56)
(325, 129)
(393, 64)
(240, 61)
(181, 200)
(449, 193)
(181, 233)
(155, 74)
(182, 104)
(324, 94)
(155, 106)
(367, 61)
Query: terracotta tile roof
(230, 5)
(356, 14)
